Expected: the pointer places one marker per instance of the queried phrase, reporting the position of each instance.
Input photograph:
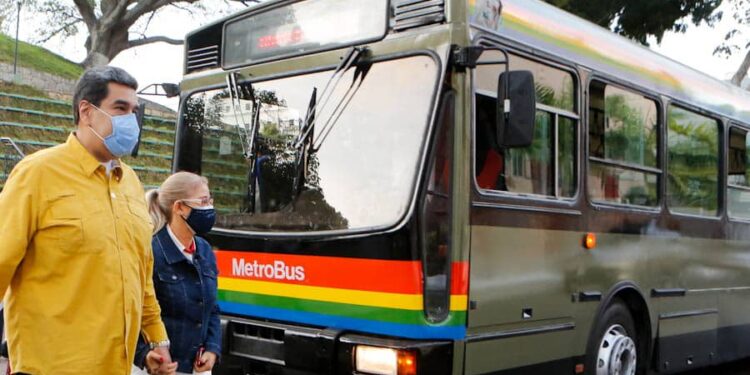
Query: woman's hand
(156, 364)
(206, 363)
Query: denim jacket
(187, 296)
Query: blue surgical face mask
(201, 219)
(124, 135)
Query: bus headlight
(384, 361)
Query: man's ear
(84, 112)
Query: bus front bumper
(264, 347)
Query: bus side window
(548, 166)
(623, 145)
(490, 166)
(693, 152)
(738, 178)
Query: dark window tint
(548, 166)
(693, 171)
(623, 146)
(738, 179)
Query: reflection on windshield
(361, 177)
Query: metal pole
(18, 25)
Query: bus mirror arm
(516, 96)
(170, 90)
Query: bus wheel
(614, 348)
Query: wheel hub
(617, 353)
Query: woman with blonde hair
(185, 273)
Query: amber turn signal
(407, 362)
(589, 241)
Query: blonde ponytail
(158, 217)
(175, 187)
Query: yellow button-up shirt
(76, 261)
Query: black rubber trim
(685, 314)
(497, 335)
(589, 296)
(668, 292)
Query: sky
(162, 62)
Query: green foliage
(693, 144)
(629, 138)
(38, 58)
(639, 19)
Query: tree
(735, 41)
(639, 19)
(109, 23)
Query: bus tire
(612, 349)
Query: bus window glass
(547, 166)
(357, 171)
(529, 169)
(554, 87)
(566, 156)
(738, 197)
(623, 144)
(693, 169)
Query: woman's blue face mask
(201, 219)
(124, 137)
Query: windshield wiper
(359, 77)
(236, 94)
(305, 144)
(303, 150)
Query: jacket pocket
(170, 277)
(170, 291)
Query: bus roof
(547, 28)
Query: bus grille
(202, 58)
(407, 14)
(259, 342)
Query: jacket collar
(171, 253)
(88, 162)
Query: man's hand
(206, 362)
(157, 362)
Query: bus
(465, 187)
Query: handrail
(13, 144)
(62, 102)
(69, 117)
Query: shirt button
(113, 195)
(174, 277)
(198, 325)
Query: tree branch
(116, 13)
(154, 39)
(87, 13)
(146, 6)
(59, 30)
(742, 71)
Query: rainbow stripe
(366, 295)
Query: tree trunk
(103, 44)
(742, 71)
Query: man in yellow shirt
(76, 256)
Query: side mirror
(171, 89)
(516, 109)
(140, 117)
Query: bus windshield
(362, 176)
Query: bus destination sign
(302, 27)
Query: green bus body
(660, 181)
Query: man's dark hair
(93, 85)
